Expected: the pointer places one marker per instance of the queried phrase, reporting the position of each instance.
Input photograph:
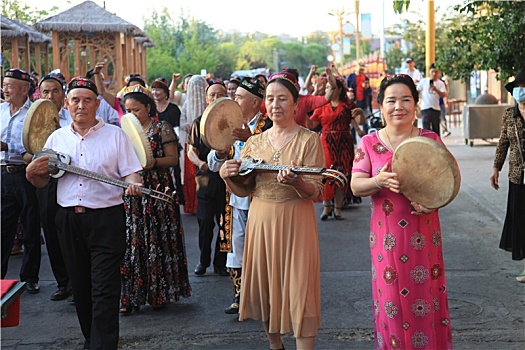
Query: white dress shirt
(12, 127)
(106, 150)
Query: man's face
(248, 102)
(82, 104)
(214, 92)
(433, 73)
(52, 90)
(15, 90)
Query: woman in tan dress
(281, 284)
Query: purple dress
(409, 292)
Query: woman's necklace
(277, 151)
(403, 139)
(147, 125)
(161, 107)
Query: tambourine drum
(428, 173)
(132, 127)
(40, 122)
(218, 121)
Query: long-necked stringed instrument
(59, 164)
(334, 176)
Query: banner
(366, 27)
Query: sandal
(521, 278)
(338, 217)
(324, 216)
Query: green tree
(491, 37)
(20, 10)
(227, 54)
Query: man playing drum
(211, 191)
(249, 95)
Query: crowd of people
(113, 251)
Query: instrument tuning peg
(332, 182)
(340, 169)
(332, 167)
(324, 180)
(347, 175)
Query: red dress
(190, 186)
(337, 141)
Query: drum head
(132, 127)
(428, 173)
(40, 122)
(218, 121)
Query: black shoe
(324, 217)
(32, 287)
(60, 294)
(200, 270)
(221, 271)
(232, 310)
(72, 299)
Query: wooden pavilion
(87, 33)
(26, 45)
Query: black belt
(78, 209)
(11, 169)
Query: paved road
(486, 303)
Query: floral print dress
(409, 292)
(154, 269)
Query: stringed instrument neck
(295, 169)
(99, 177)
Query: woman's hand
(420, 209)
(287, 176)
(494, 179)
(230, 168)
(386, 179)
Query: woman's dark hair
(397, 79)
(144, 100)
(341, 84)
(289, 86)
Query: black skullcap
(82, 83)
(19, 74)
(253, 85)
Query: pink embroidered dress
(409, 292)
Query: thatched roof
(145, 41)
(15, 28)
(87, 17)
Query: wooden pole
(38, 60)
(76, 57)
(56, 51)
(430, 44)
(118, 75)
(27, 55)
(357, 32)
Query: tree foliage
(492, 37)
(20, 10)
(401, 5)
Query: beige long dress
(281, 267)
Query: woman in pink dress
(409, 291)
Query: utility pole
(340, 14)
(357, 32)
(430, 41)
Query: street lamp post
(340, 14)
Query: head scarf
(195, 99)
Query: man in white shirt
(18, 195)
(411, 70)
(91, 219)
(431, 89)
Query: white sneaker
(446, 133)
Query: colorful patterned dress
(409, 291)
(154, 269)
(338, 143)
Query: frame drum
(218, 121)
(428, 173)
(40, 122)
(132, 127)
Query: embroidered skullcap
(53, 76)
(18, 74)
(253, 85)
(161, 83)
(214, 82)
(137, 88)
(82, 83)
(289, 77)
